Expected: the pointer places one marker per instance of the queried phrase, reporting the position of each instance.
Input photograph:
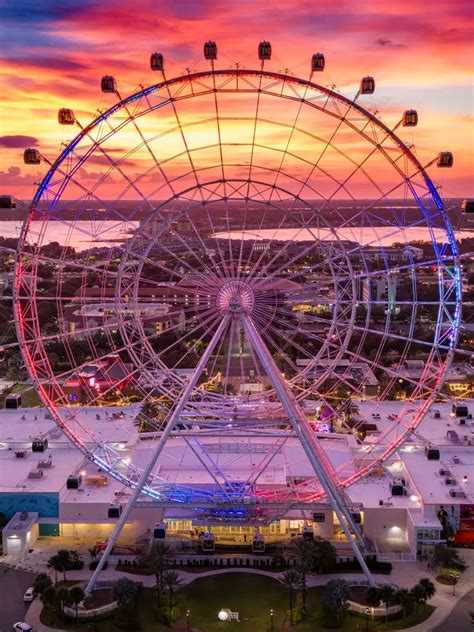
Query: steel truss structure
(237, 245)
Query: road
(458, 620)
(13, 584)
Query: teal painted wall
(49, 530)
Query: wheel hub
(235, 298)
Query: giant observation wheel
(236, 247)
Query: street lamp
(367, 614)
(271, 620)
(455, 581)
(187, 620)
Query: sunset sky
(54, 53)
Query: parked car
(29, 594)
(22, 627)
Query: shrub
(163, 614)
(93, 565)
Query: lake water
(113, 232)
(376, 236)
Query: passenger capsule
(157, 62)
(264, 51)
(107, 84)
(367, 85)
(66, 116)
(210, 50)
(317, 62)
(467, 207)
(445, 159)
(31, 156)
(6, 201)
(410, 118)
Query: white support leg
(161, 444)
(310, 444)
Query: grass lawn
(252, 596)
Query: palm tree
(305, 555)
(63, 597)
(325, 556)
(56, 564)
(157, 562)
(429, 589)
(292, 581)
(172, 580)
(418, 595)
(335, 596)
(125, 592)
(404, 599)
(386, 593)
(48, 598)
(77, 595)
(372, 596)
(42, 581)
(64, 561)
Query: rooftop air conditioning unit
(449, 481)
(45, 464)
(457, 493)
(36, 474)
(444, 472)
(20, 454)
(456, 460)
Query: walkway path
(403, 574)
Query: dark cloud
(51, 63)
(44, 11)
(18, 141)
(388, 43)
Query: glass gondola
(258, 543)
(208, 542)
(159, 532)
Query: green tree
(157, 561)
(372, 596)
(386, 593)
(335, 596)
(125, 592)
(325, 556)
(77, 595)
(63, 596)
(403, 598)
(42, 581)
(429, 589)
(49, 599)
(292, 581)
(418, 595)
(305, 551)
(447, 556)
(56, 564)
(172, 581)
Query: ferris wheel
(242, 252)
